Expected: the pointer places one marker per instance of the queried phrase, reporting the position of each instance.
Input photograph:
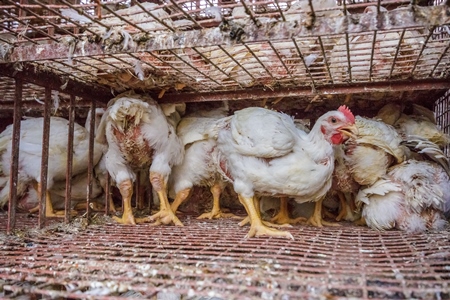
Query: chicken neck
(257, 228)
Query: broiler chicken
(411, 197)
(373, 151)
(141, 137)
(198, 167)
(30, 155)
(262, 152)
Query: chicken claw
(217, 214)
(259, 230)
(164, 217)
(268, 224)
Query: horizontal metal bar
(400, 18)
(258, 94)
(32, 75)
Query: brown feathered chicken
(141, 137)
(263, 152)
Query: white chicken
(198, 167)
(411, 197)
(373, 151)
(413, 120)
(263, 152)
(141, 137)
(30, 154)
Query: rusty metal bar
(215, 66)
(65, 18)
(280, 31)
(236, 62)
(250, 13)
(356, 88)
(15, 34)
(107, 189)
(90, 169)
(32, 75)
(14, 168)
(42, 190)
(325, 62)
(280, 59)
(349, 64)
(194, 68)
(84, 14)
(185, 13)
(280, 11)
(372, 54)
(122, 18)
(396, 52)
(439, 60)
(421, 49)
(31, 26)
(68, 196)
(304, 63)
(153, 16)
(258, 60)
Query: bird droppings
(196, 262)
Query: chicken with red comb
(262, 152)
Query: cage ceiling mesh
(212, 47)
(213, 260)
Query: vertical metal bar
(138, 193)
(371, 54)
(44, 159)
(397, 52)
(68, 196)
(14, 168)
(90, 170)
(107, 189)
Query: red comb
(347, 113)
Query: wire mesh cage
(67, 58)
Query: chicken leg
(282, 217)
(49, 212)
(165, 214)
(247, 218)
(126, 190)
(316, 219)
(343, 208)
(216, 213)
(180, 197)
(257, 228)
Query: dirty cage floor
(212, 259)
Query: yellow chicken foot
(126, 190)
(180, 197)
(342, 208)
(257, 228)
(216, 213)
(282, 217)
(49, 212)
(316, 219)
(165, 214)
(360, 222)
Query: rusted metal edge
(258, 94)
(401, 18)
(30, 74)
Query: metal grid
(213, 260)
(186, 48)
(442, 112)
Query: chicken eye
(333, 120)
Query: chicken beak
(351, 131)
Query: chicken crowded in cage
(140, 137)
(263, 153)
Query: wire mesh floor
(213, 260)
